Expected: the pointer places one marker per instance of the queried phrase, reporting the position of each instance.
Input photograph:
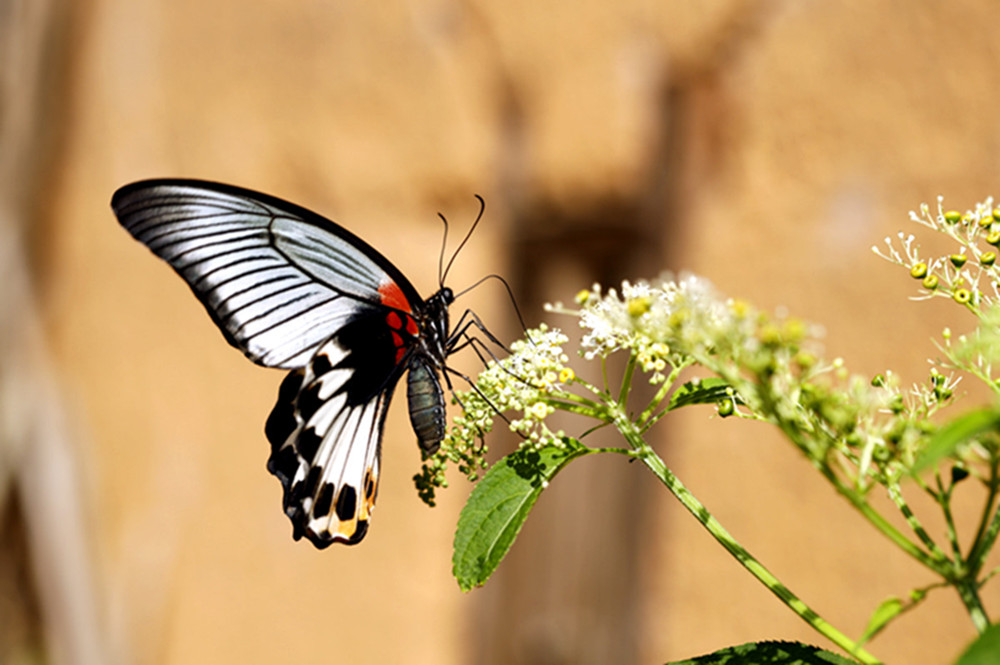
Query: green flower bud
(952, 216)
(930, 282)
(988, 258)
(918, 270)
(958, 260)
(726, 408)
(962, 296)
(993, 238)
(878, 381)
(958, 474)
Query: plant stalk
(747, 560)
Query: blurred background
(763, 144)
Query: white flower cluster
(653, 320)
(520, 383)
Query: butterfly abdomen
(426, 402)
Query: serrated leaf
(701, 391)
(769, 653)
(985, 650)
(499, 505)
(946, 440)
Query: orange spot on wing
(411, 326)
(392, 296)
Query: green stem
(627, 379)
(970, 597)
(918, 528)
(724, 538)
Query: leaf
(985, 650)
(499, 505)
(769, 653)
(946, 440)
(700, 391)
(888, 609)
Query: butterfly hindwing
(326, 429)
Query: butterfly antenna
(510, 294)
(444, 246)
(482, 209)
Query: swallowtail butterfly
(294, 290)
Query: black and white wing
(276, 278)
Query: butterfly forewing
(276, 278)
(292, 289)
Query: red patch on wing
(392, 296)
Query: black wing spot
(309, 402)
(304, 488)
(359, 532)
(321, 364)
(347, 503)
(284, 463)
(281, 423)
(308, 444)
(324, 502)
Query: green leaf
(773, 653)
(699, 391)
(498, 507)
(888, 609)
(985, 650)
(946, 440)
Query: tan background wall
(770, 143)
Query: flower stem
(724, 538)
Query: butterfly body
(294, 290)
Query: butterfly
(293, 290)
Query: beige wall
(809, 131)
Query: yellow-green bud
(962, 296)
(952, 216)
(639, 306)
(988, 258)
(930, 282)
(993, 238)
(726, 408)
(918, 270)
(958, 260)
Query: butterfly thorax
(434, 324)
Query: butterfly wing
(292, 289)
(276, 278)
